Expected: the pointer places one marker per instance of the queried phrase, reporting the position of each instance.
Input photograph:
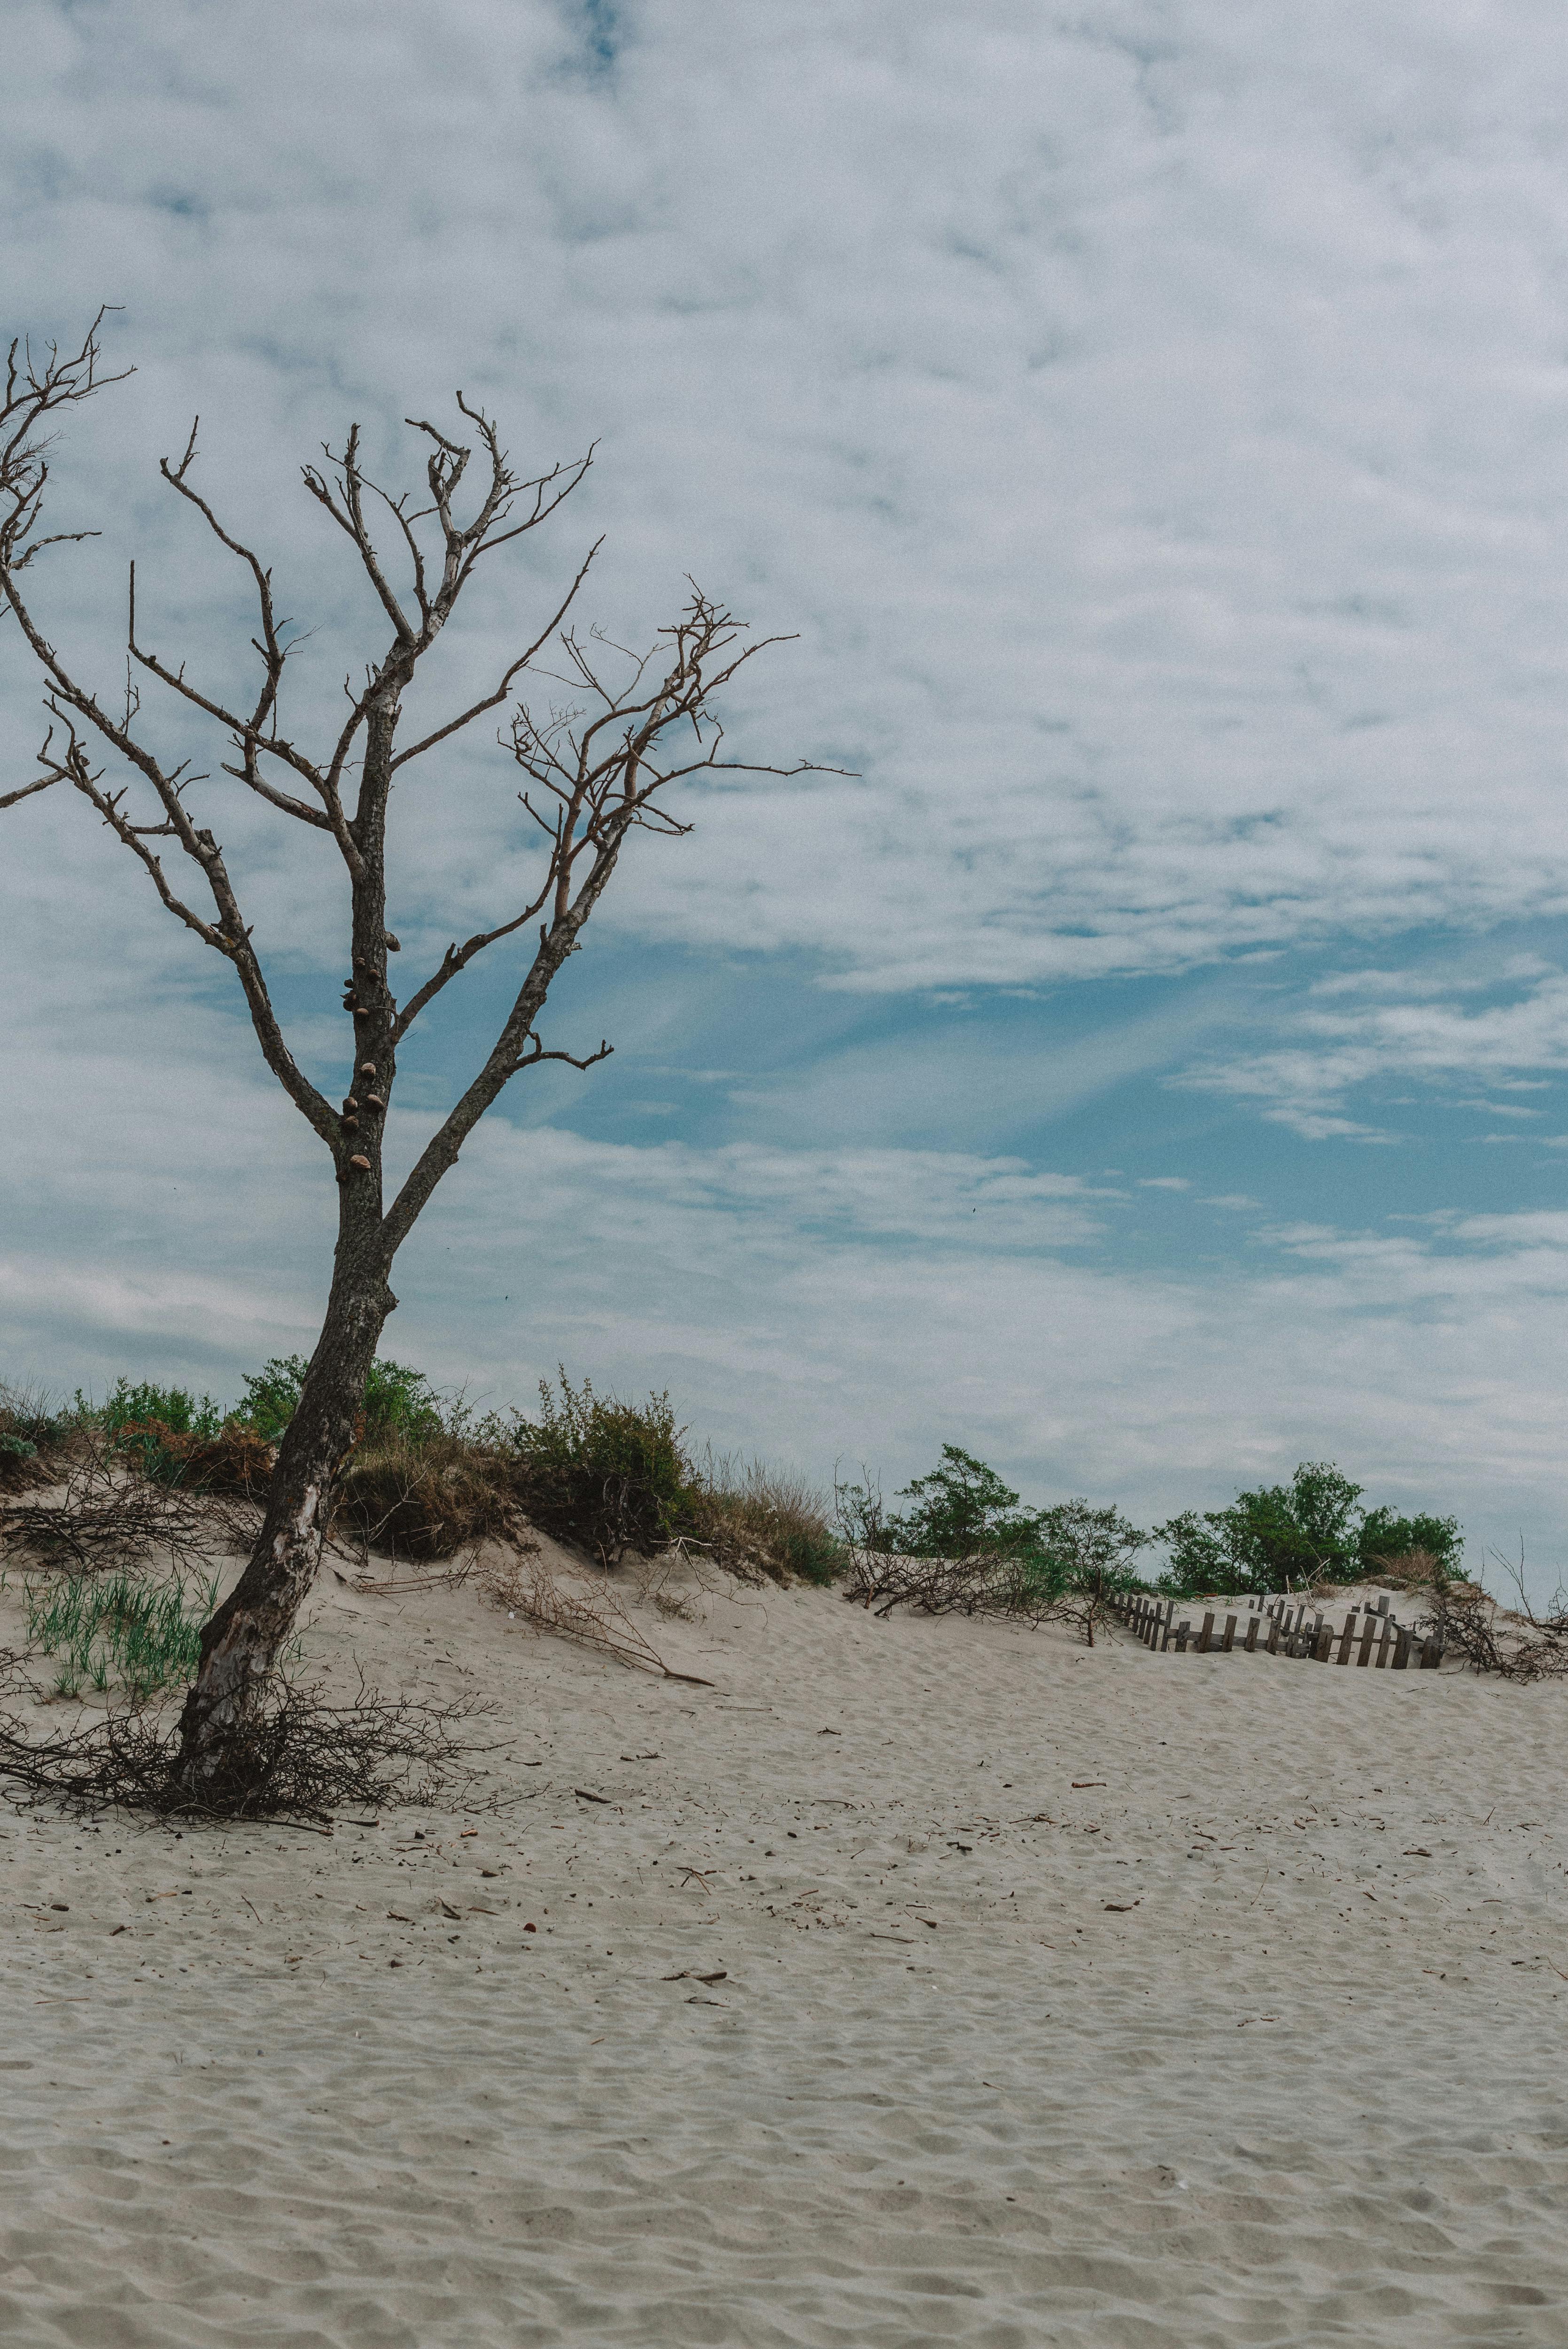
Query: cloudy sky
(1150, 416)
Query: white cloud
(1403, 1032)
(1150, 416)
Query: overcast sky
(1150, 416)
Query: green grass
(115, 1627)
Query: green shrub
(1279, 1537)
(175, 1408)
(1386, 1535)
(396, 1399)
(606, 1474)
(155, 1427)
(1291, 1536)
(1079, 1547)
(962, 1507)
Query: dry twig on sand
(300, 1756)
(525, 1585)
(112, 1517)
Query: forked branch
(597, 771)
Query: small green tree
(1203, 1554)
(1386, 1535)
(1084, 1561)
(960, 1507)
(1279, 1534)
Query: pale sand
(1295, 2085)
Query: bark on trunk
(242, 1643)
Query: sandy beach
(919, 1981)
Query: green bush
(175, 1408)
(1290, 1536)
(147, 1423)
(1386, 1535)
(1078, 1548)
(606, 1474)
(962, 1507)
(398, 1398)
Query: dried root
(1515, 1642)
(298, 1756)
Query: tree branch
(228, 937)
(603, 790)
(42, 783)
(491, 700)
(457, 959)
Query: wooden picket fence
(1370, 1635)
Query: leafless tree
(595, 773)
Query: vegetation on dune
(428, 1476)
(31, 1432)
(126, 1559)
(968, 1547)
(606, 1474)
(1292, 1537)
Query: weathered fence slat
(1367, 1625)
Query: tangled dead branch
(112, 1517)
(299, 1756)
(524, 1586)
(989, 1583)
(1515, 1642)
(1089, 1601)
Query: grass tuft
(119, 1628)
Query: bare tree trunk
(242, 1643)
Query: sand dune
(919, 1983)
